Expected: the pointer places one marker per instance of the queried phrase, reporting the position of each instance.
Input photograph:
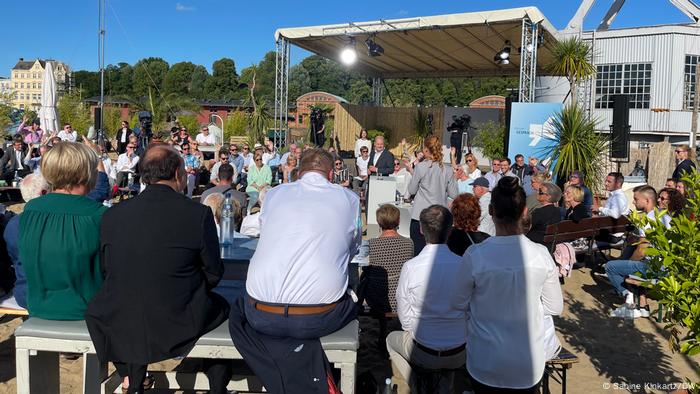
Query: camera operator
(460, 125)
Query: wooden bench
(38, 342)
(589, 229)
(557, 368)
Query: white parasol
(47, 114)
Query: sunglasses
(185, 148)
(338, 163)
(224, 158)
(470, 160)
(233, 150)
(246, 148)
(131, 147)
(258, 159)
(678, 151)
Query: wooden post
(696, 105)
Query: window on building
(21, 96)
(21, 106)
(38, 85)
(21, 85)
(16, 85)
(691, 62)
(633, 80)
(33, 85)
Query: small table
(232, 284)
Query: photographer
(459, 126)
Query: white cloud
(179, 7)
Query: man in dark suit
(160, 259)
(123, 137)
(381, 161)
(13, 160)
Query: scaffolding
(528, 61)
(281, 125)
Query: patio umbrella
(47, 114)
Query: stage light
(503, 56)
(348, 55)
(373, 48)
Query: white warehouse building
(654, 65)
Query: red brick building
(306, 101)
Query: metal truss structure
(528, 61)
(281, 125)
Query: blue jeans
(617, 270)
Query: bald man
(381, 161)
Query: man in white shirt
(481, 188)
(126, 163)
(617, 204)
(434, 329)
(204, 138)
(617, 270)
(285, 156)
(495, 174)
(68, 134)
(296, 288)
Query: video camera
(146, 121)
(460, 123)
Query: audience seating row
(38, 343)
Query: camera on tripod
(460, 123)
(146, 121)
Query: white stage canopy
(456, 45)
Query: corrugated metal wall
(666, 52)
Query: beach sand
(631, 354)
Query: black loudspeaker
(98, 118)
(620, 128)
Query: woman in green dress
(60, 236)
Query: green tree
(360, 92)
(148, 74)
(88, 82)
(112, 118)
(236, 123)
(72, 110)
(491, 140)
(223, 83)
(189, 121)
(264, 77)
(572, 59)
(449, 93)
(118, 79)
(178, 80)
(576, 146)
(199, 80)
(299, 81)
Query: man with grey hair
(32, 186)
(434, 327)
(381, 160)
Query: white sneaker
(643, 312)
(629, 298)
(622, 311)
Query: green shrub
(675, 260)
(491, 139)
(189, 121)
(384, 132)
(235, 124)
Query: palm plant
(420, 122)
(572, 59)
(162, 107)
(259, 119)
(576, 146)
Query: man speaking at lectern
(381, 161)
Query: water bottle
(130, 181)
(16, 180)
(388, 388)
(226, 228)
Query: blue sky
(202, 31)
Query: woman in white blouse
(513, 290)
(362, 141)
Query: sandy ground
(611, 351)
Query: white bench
(38, 342)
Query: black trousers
(480, 388)
(219, 373)
(456, 142)
(417, 238)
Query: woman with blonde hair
(466, 173)
(573, 198)
(432, 183)
(59, 239)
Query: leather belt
(440, 353)
(292, 309)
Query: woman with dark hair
(466, 216)
(548, 195)
(431, 184)
(671, 200)
(513, 290)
